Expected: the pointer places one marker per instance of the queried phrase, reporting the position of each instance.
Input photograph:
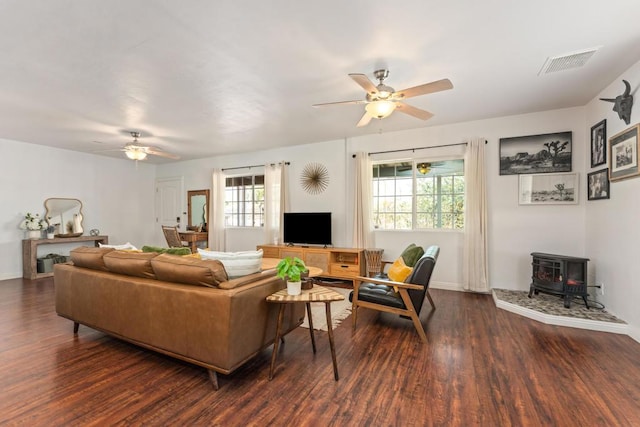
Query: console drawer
(268, 252)
(343, 270)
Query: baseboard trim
(447, 286)
(550, 319)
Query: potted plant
(34, 225)
(290, 269)
(50, 232)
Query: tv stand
(336, 263)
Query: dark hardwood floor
(482, 367)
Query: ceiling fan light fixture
(424, 168)
(136, 154)
(380, 109)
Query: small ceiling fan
(136, 151)
(423, 167)
(382, 100)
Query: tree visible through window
(405, 198)
(244, 201)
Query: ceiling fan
(136, 151)
(422, 167)
(382, 100)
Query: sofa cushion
(191, 271)
(90, 257)
(236, 264)
(137, 264)
(123, 247)
(172, 251)
(250, 278)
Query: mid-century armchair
(403, 298)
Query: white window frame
(240, 213)
(414, 198)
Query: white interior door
(170, 199)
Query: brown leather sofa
(183, 307)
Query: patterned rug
(554, 305)
(340, 310)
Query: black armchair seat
(379, 294)
(403, 298)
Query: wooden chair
(407, 300)
(173, 237)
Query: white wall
(514, 231)
(331, 154)
(612, 230)
(117, 197)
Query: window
(414, 195)
(244, 201)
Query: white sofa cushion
(126, 247)
(236, 264)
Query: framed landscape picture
(547, 153)
(548, 189)
(598, 184)
(623, 154)
(599, 144)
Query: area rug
(340, 310)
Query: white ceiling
(202, 78)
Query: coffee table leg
(333, 349)
(276, 341)
(313, 339)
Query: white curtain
(216, 228)
(275, 201)
(475, 271)
(362, 236)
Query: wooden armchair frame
(412, 292)
(410, 311)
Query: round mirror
(65, 215)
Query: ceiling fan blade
(413, 111)
(340, 103)
(364, 120)
(154, 152)
(437, 86)
(364, 82)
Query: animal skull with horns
(622, 103)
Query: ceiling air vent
(567, 61)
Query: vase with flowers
(33, 225)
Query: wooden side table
(315, 294)
(193, 237)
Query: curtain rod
(420, 148)
(253, 166)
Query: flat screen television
(307, 228)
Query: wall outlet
(601, 288)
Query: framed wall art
(547, 153)
(548, 189)
(623, 154)
(598, 184)
(599, 144)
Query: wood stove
(559, 275)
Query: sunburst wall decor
(314, 178)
